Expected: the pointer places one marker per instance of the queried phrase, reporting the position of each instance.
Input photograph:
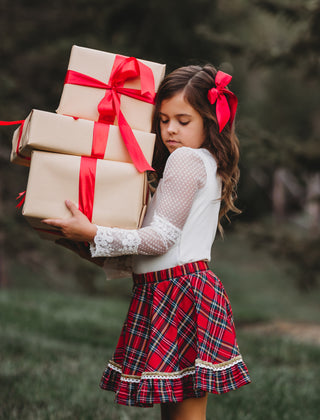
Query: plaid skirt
(178, 340)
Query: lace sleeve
(184, 175)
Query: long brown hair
(195, 82)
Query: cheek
(162, 130)
(202, 133)
(199, 136)
(197, 132)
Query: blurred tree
(270, 47)
(286, 126)
(36, 42)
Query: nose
(172, 127)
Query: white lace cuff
(113, 242)
(168, 232)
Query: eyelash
(180, 122)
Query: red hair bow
(227, 101)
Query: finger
(53, 222)
(72, 207)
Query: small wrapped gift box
(110, 193)
(58, 133)
(100, 86)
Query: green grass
(54, 346)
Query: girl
(178, 342)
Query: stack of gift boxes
(97, 148)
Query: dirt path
(300, 332)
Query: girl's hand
(77, 227)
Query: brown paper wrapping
(59, 133)
(120, 192)
(81, 101)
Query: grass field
(54, 347)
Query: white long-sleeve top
(181, 220)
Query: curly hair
(195, 82)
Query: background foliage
(271, 48)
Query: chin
(173, 147)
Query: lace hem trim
(219, 366)
(175, 375)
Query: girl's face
(180, 124)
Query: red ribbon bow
(227, 101)
(125, 68)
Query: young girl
(178, 342)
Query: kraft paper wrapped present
(110, 193)
(58, 133)
(117, 80)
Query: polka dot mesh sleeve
(183, 176)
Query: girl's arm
(184, 175)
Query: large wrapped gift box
(58, 133)
(119, 192)
(113, 75)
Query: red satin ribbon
(100, 138)
(88, 165)
(227, 101)
(87, 179)
(11, 122)
(21, 196)
(20, 135)
(124, 68)
(19, 141)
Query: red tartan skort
(178, 340)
